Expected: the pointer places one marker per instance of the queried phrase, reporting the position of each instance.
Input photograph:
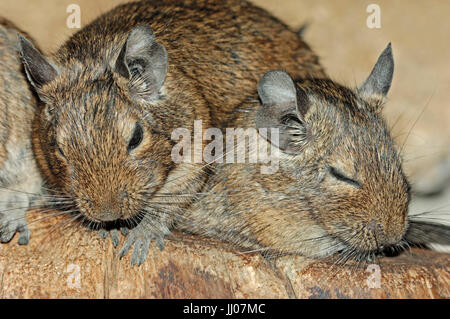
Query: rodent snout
(106, 208)
(109, 216)
(110, 207)
(382, 237)
(373, 234)
(374, 226)
(378, 232)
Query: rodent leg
(114, 234)
(13, 209)
(141, 237)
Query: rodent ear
(39, 71)
(144, 62)
(283, 107)
(379, 81)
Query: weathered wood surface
(64, 261)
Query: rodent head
(104, 127)
(103, 153)
(344, 168)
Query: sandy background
(337, 31)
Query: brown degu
(20, 181)
(114, 92)
(338, 185)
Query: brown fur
(302, 208)
(19, 176)
(217, 50)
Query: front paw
(114, 234)
(141, 237)
(12, 223)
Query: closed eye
(60, 151)
(341, 177)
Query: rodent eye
(137, 137)
(342, 177)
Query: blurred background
(418, 106)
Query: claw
(135, 260)
(126, 247)
(160, 243)
(124, 231)
(144, 253)
(103, 233)
(115, 237)
(114, 234)
(141, 247)
(12, 224)
(24, 238)
(6, 236)
(141, 237)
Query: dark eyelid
(60, 151)
(340, 176)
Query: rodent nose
(374, 226)
(382, 236)
(123, 196)
(108, 216)
(109, 208)
(377, 230)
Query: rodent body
(114, 92)
(339, 187)
(20, 181)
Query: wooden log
(64, 260)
